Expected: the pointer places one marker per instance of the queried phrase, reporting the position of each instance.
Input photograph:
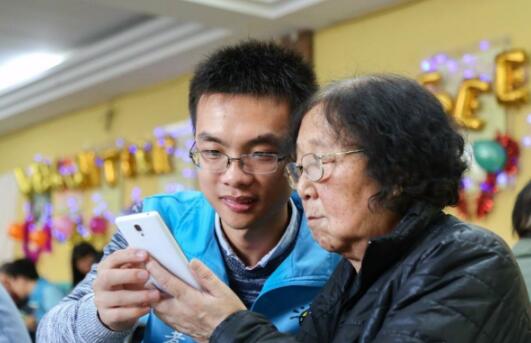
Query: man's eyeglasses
(219, 162)
(312, 166)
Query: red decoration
(485, 204)
(35, 241)
(513, 153)
(98, 225)
(485, 199)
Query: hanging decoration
(89, 168)
(499, 159)
(63, 228)
(35, 233)
(511, 77)
(488, 80)
(490, 155)
(467, 104)
(71, 177)
(100, 221)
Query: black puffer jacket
(433, 279)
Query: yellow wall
(398, 39)
(136, 115)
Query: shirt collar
(289, 235)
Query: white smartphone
(148, 231)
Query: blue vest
(286, 294)
(44, 297)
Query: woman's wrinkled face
(337, 206)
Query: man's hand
(119, 292)
(195, 313)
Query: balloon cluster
(63, 228)
(490, 155)
(498, 159)
(509, 87)
(89, 168)
(68, 229)
(492, 163)
(35, 235)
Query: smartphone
(148, 231)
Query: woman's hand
(190, 311)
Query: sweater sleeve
(75, 318)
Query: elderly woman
(377, 161)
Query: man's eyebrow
(268, 138)
(206, 137)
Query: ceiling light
(26, 68)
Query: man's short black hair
(21, 268)
(522, 212)
(256, 68)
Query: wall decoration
(87, 190)
(90, 168)
(35, 232)
(478, 86)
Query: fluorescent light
(27, 67)
(266, 1)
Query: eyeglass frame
(196, 152)
(318, 157)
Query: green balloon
(490, 155)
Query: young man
(24, 282)
(243, 225)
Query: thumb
(206, 278)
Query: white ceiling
(115, 46)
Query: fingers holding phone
(148, 231)
(120, 294)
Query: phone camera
(138, 228)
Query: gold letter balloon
(88, 168)
(510, 77)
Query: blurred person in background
(24, 282)
(522, 228)
(22, 305)
(84, 255)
